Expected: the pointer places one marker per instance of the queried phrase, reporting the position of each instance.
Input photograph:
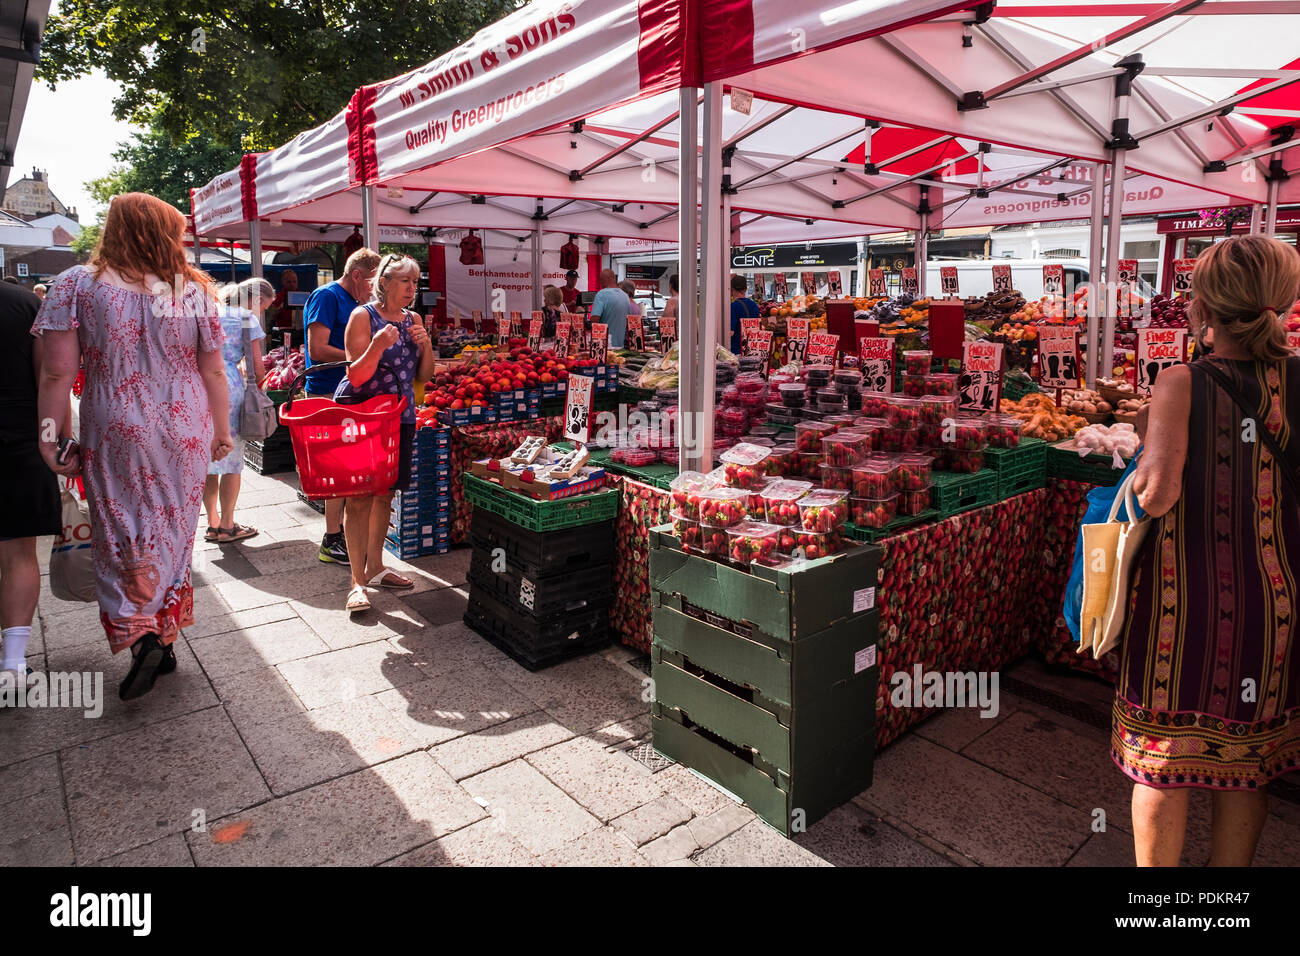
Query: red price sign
(1183, 276)
(1001, 277)
(1127, 272)
(499, 324)
(796, 340)
(760, 343)
(809, 283)
(981, 375)
(948, 280)
(748, 326)
(778, 286)
(1157, 349)
(876, 361)
(562, 338)
(910, 286)
(835, 285)
(599, 342)
(667, 334)
(577, 408)
(1054, 280)
(876, 283)
(635, 337)
(1058, 356)
(535, 332)
(822, 347)
(477, 317)
(1293, 342)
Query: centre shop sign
(794, 257)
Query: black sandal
(210, 536)
(140, 678)
(236, 532)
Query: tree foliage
(260, 70)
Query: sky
(72, 135)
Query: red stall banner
(910, 286)
(1001, 277)
(667, 334)
(1183, 276)
(981, 376)
(796, 340)
(840, 321)
(876, 283)
(1059, 359)
(876, 361)
(947, 329)
(948, 281)
(1157, 349)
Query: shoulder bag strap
(1262, 431)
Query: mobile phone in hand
(67, 448)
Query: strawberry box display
(842, 448)
(733, 421)
(793, 394)
(752, 541)
(713, 541)
(810, 466)
(873, 512)
(750, 384)
(903, 412)
(914, 500)
(936, 409)
(753, 401)
(808, 436)
(840, 421)
(968, 434)
(687, 531)
(830, 400)
(848, 378)
(917, 362)
(815, 544)
(913, 473)
(942, 383)
(686, 489)
(877, 477)
(743, 465)
(781, 460)
(756, 502)
(823, 510)
(836, 478)
(898, 440)
(723, 507)
(1002, 431)
(875, 404)
(780, 501)
(967, 462)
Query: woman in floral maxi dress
(145, 327)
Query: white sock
(15, 648)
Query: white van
(975, 276)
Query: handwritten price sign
(796, 340)
(1293, 342)
(562, 339)
(876, 283)
(577, 408)
(1183, 276)
(635, 334)
(948, 280)
(1127, 272)
(501, 327)
(809, 282)
(1054, 280)
(599, 342)
(779, 289)
(535, 332)
(760, 343)
(1058, 356)
(1002, 278)
(1157, 349)
(748, 326)
(981, 376)
(910, 286)
(835, 285)
(477, 317)
(876, 360)
(822, 347)
(667, 334)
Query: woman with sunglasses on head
(389, 351)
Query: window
(1062, 254)
(1142, 250)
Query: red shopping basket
(344, 451)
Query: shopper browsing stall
(326, 319)
(389, 350)
(610, 307)
(742, 307)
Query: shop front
(1188, 235)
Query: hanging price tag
(1001, 277)
(778, 286)
(1183, 276)
(808, 283)
(535, 332)
(667, 334)
(910, 286)
(1157, 349)
(796, 340)
(760, 343)
(876, 283)
(599, 342)
(634, 338)
(1054, 280)
(577, 408)
(476, 316)
(748, 326)
(876, 361)
(562, 339)
(502, 327)
(1127, 273)
(835, 284)
(1058, 356)
(1293, 342)
(981, 375)
(822, 348)
(948, 280)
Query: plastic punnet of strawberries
(753, 541)
(823, 510)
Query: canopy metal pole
(688, 311)
(712, 272)
(537, 265)
(255, 247)
(923, 243)
(860, 287)
(1275, 177)
(1256, 219)
(1121, 141)
(369, 218)
(1096, 262)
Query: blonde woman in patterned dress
(1208, 694)
(154, 412)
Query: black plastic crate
(531, 644)
(544, 553)
(538, 597)
(266, 461)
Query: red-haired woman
(143, 322)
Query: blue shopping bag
(1100, 500)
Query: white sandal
(357, 600)
(381, 580)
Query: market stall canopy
(1038, 77)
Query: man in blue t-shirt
(610, 307)
(325, 317)
(742, 307)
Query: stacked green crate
(1019, 469)
(765, 679)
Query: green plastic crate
(1092, 469)
(897, 526)
(656, 475)
(1020, 469)
(1014, 389)
(631, 394)
(955, 493)
(542, 515)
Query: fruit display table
(472, 442)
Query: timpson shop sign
(1286, 219)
